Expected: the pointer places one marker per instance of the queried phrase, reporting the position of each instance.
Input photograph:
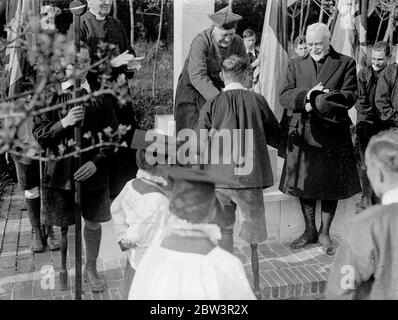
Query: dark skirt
(59, 206)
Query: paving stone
(38, 291)
(114, 274)
(115, 294)
(6, 272)
(266, 293)
(25, 266)
(25, 240)
(290, 282)
(23, 290)
(106, 295)
(7, 262)
(9, 247)
(269, 279)
(10, 237)
(114, 284)
(265, 266)
(278, 263)
(242, 257)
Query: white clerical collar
(234, 86)
(67, 84)
(390, 197)
(97, 16)
(253, 52)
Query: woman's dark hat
(225, 18)
(330, 106)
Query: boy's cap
(225, 18)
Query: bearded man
(318, 91)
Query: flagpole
(77, 8)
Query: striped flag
(19, 13)
(273, 53)
(349, 34)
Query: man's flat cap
(225, 18)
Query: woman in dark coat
(320, 163)
(53, 131)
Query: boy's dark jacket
(49, 132)
(244, 110)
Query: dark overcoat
(200, 77)
(320, 162)
(386, 96)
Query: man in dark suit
(368, 121)
(320, 163)
(249, 39)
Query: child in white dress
(140, 211)
(188, 263)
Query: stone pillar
(190, 18)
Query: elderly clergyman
(318, 91)
(200, 78)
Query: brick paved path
(284, 273)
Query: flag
(19, 13)
(273, 54)
(349, 34)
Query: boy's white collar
(390, 197)
(97, 15)
(234, 86)
(67, 84)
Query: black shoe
(52, 241)
(97, 283)
(37, 241)
(303, 240)
(327, 244)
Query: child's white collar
(234, 86)
(390, 197)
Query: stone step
(287, 273)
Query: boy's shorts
(28, 173)
(252, 213)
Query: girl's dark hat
(225, 18)
(143, 139)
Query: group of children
(176, 223)
(180, 216)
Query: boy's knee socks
(92, 239)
